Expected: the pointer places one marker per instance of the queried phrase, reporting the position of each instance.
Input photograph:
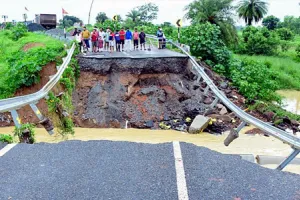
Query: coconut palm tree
(134, 15)
(252, 10)
(219, 12)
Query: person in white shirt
(78, 38)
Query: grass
(11, 49)
(287, 70)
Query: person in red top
(122, 38)
(136, 36)
(111, 41)
(94, 40)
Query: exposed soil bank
(143, 92)
(25, 113)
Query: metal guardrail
(285, 137)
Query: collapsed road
(147, 90)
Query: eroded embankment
(143, 92)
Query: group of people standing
(119, 40)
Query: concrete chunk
(199, 124)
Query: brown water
(291, 100)
(256, 145)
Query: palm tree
(252, 10)
(217, 12)
(134, 15)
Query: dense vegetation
(20, 67)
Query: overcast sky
(169, 10)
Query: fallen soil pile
(151, 93)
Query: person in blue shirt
(118, 40)
(160, 37)
(128, 39)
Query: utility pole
(25, 17)
(90, 11)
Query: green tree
(292, 23)
(260, 41)
(148, 12)
(217, 12)
(134, 15)
(205, 42)
(120, 19)
(101, 17)
(69, 21)
(271, 22)
(252, 10)
(128, 23)
(285, 34)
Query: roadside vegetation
(22, 56)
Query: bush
(285, 34)
(298, 51)
(260, 41)
(255, 80)
(205, 41)
(18, 31)
(25, 138)
(9, 26)
(6, 138)
(285, 46)
(25, 67)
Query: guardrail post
(206, 90)
(44, 121)
(16, 118)
(214, 103)
(288, 159)
(234, 134)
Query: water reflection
(291, 100)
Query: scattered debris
(199, 124)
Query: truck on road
(48, 21)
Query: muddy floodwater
(246, 144)
(291, 100)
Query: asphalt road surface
(153, 53)
(134, 171)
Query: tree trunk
(249, 22)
